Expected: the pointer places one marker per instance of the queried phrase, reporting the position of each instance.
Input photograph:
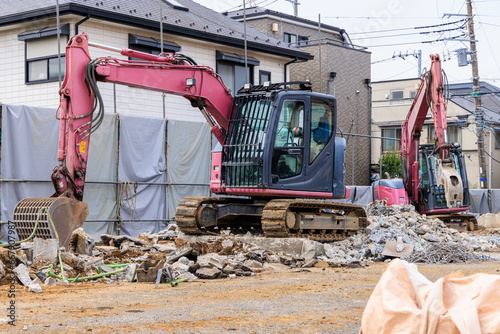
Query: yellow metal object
(83, 146)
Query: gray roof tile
(198, 22)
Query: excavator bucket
(67, 215)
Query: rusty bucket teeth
(67, 215)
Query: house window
(303, 40)
(290, 38)
(413, 94)
(151, 45)
(264, 76)
(397, 94)
(391, 133)
(231, 67)
(497, 140)
(454, 134)
(41, 58)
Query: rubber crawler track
(469, 220)
(273, 217)
(275, 213)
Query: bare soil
(316, 300)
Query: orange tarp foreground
(404, 301)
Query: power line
(489, 24)
(409, 28)
(417, 33)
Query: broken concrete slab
(290, 246)
(106, 249)
(130, 272)
(23, 274)
(3, 270)
(117, 240)
(397, 249)
(45, 249)
(35, 287)
(81, 243)
(171, 258)
(208, 273)
(93, 263)
(212, 260)
(74, 261)
(310, 263)
(253, 264)
(190, 277)
(148, 270)
(167, 247)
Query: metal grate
(25, 215)
(244, 145)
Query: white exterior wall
(130, 101)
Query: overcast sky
(366, 22)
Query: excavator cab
(284, 140)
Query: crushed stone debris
(169, 256)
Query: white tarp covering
(189, 161)
(142, 159)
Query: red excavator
(434, 175)
(280, 161)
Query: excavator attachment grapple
(67, 214)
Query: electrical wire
(409, 28)
(416, 33)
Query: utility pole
(245, 42)
(476, 93)
(295, 7)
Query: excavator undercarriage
(297, 218)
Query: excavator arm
(442, 168)
(80, 111)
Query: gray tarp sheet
(495, 200)
(29, 152)
(142, 159)
(102, 167)
(363, 195)
(479, 201)
(189, 161)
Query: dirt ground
(315, 300)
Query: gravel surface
(313, 300)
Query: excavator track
(460, 222)
(285, 218)
(282, 218)
(186, 212)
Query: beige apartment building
(392, 100)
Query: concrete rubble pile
(166, 256)
(405, 228)
(169, 256)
